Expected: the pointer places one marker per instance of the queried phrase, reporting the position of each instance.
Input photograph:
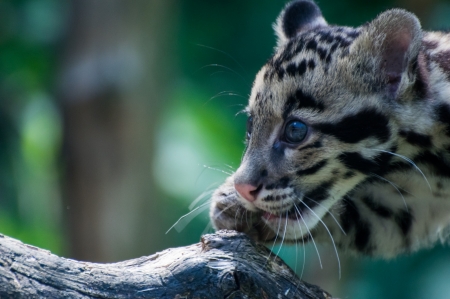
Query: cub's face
(318, 125)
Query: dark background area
(116, 115)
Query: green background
(154, 89)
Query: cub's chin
(227, 212)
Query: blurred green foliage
(220, 45)
(30, 125)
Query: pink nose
(247, 191)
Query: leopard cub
(348, 137)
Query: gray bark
(223, 265)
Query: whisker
(227, 68)
(284, 235)
(276, 236)
(393, 185)
(224, 93)
(228, 93)
(185, 219)
(303, 245)
(329, 233)
(218, 72)
(242, 215)
(225, 53)
(408, 160)
(207, 228)
(199, 198)
(232, 168)
(227, 208)
(296, 251)
(329, 212)
(309, 232)
(205, 167)
(217, 169)
(241, 112)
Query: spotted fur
(374, 166)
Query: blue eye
(295, 131)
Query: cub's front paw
(227, 212)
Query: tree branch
(226, 264)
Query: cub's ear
(392, 43)
(298, 16)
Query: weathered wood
(223, 265)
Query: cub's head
(321, 120)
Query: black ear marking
(298, 16)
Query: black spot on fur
(333, 48)
(441, 58)
(307, 101)
(311, 64)
(443, 113)
(345, 43)
(272, 74)
(269, 198)
(300, 100)
(280, 73)
(422, 77)
(416, 138)
(299, 45)
(288, 49)
(440, 167)
(421, 88)
(378, 209)
(349, 174)
(313, 169)
(289, 106)
(351, 218)
(309, 202)
(311, 45)
(399, 166)
(357, 162)
(283, 183)
(301, 68)
(291, 69)
(404, 220)
(350, 215)
(322, 53)
(354, 128)
(362, 236)
(353, 34)
(321, 192)
(339, 39)
(270, 187)
(264, 173)
(325, 36)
